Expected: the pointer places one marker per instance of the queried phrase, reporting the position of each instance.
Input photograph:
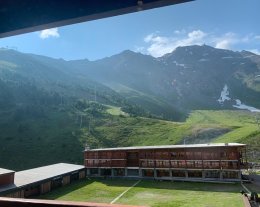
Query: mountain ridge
(53, 106)
(190, 77)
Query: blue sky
(227, 24)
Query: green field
(151, 193)
(113, 110)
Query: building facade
(207, 162)
(37, 181)
(6, 177)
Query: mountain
(50, 108)
(44, 107)
(189, 78)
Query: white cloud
(223, 44)
(196, 34)
(257, 37)
(178, 32)
(226, 41)
(44, 34)
(160, 45)
(139, 49)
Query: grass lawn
(152, 193)
(101, 191)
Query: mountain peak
(194, 48)
(247, 53)
(130, 53)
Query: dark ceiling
(22, 16)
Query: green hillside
(36, 135)
(200, 127)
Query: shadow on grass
(61, 191)
(181, 185)
(76, 185)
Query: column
(126, 172)
(186, 174)
(239, 175)
(154, 173)
(170, 171)
(140, 172)
(203, 174)
(112, 172)
(221, 175)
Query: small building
(199, 162)
(41, 180)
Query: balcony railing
(191, 164)
(11, 202)
(118, 163)
(105, 163)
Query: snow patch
(228, 57)
(224, 95)
(179, 64)
(248, 56)
(240, 105)
(203, 60)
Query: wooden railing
(15, 202)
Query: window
(174, 164)
(189, 155)
(162, 164)
(178, 173)
(230, 175)
(182, 164)
(212, 174)
(198, 164)
(190, 164)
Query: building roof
(26, 177)
(5, 171)
(42, 173)
(172, 146)
(22, 16)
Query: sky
(225, 24)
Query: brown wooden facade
(6, 179)
(181, 161)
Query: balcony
(11, 202)
(118, 163)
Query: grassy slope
(39, 141)
(116, 111)
(127, 131)
(152, 193)
(242, 123)
(58, 134)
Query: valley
(52, 108)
